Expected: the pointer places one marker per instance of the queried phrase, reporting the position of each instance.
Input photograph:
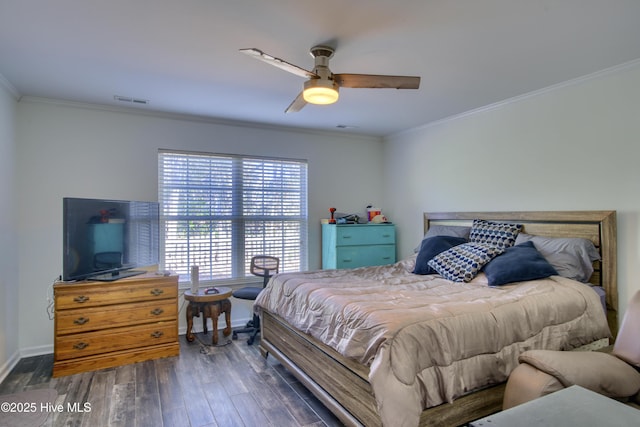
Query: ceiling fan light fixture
(320, 91)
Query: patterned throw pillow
(432, 246)
(463, 262)
(500, 234)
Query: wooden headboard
(597, 226)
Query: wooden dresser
(104, 324)
(358, 245)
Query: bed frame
(342, 384)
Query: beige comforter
(428, 340)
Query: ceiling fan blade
(296, 105)
(376, 81)
(277, 62)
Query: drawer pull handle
(386, 235)
(157, 334)
(156, 292)
(81, 299)
(386, 257)
(80, 346)
(346, 260)
(346, 237)
(157, 311)
(81, 320)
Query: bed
(344, 379)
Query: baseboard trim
(11, 363)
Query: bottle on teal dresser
(357, 245)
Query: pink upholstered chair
(615, 374)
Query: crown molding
(194, 118)
(11, 88)
(519, 98)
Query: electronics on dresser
(107, 239)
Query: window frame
(173, 194)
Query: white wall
(572, 147)
(568, 148)
(80, 151)
(9, 350)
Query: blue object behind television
(106, 239)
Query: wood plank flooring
(230, 385)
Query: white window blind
(143, 233)
(217, 211)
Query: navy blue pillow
(518, 263)
(432, 246)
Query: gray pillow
(572, 257)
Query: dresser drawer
(359, 245)
(101, 325)
(112, 316)
(90, 343)
(75, 296)
(360, 256)
(365, 235)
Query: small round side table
(211, 306)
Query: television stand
(100, 325)
(112, 277)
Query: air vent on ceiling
(131, 100)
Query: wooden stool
(211, 306)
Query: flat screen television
(106, 240)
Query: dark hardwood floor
(229, 385)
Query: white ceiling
(183, 55)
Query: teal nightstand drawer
(359, 245)
(366, 235)
(361, 256)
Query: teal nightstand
(357, 245)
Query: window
(217, 211)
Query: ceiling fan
(322, 85)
